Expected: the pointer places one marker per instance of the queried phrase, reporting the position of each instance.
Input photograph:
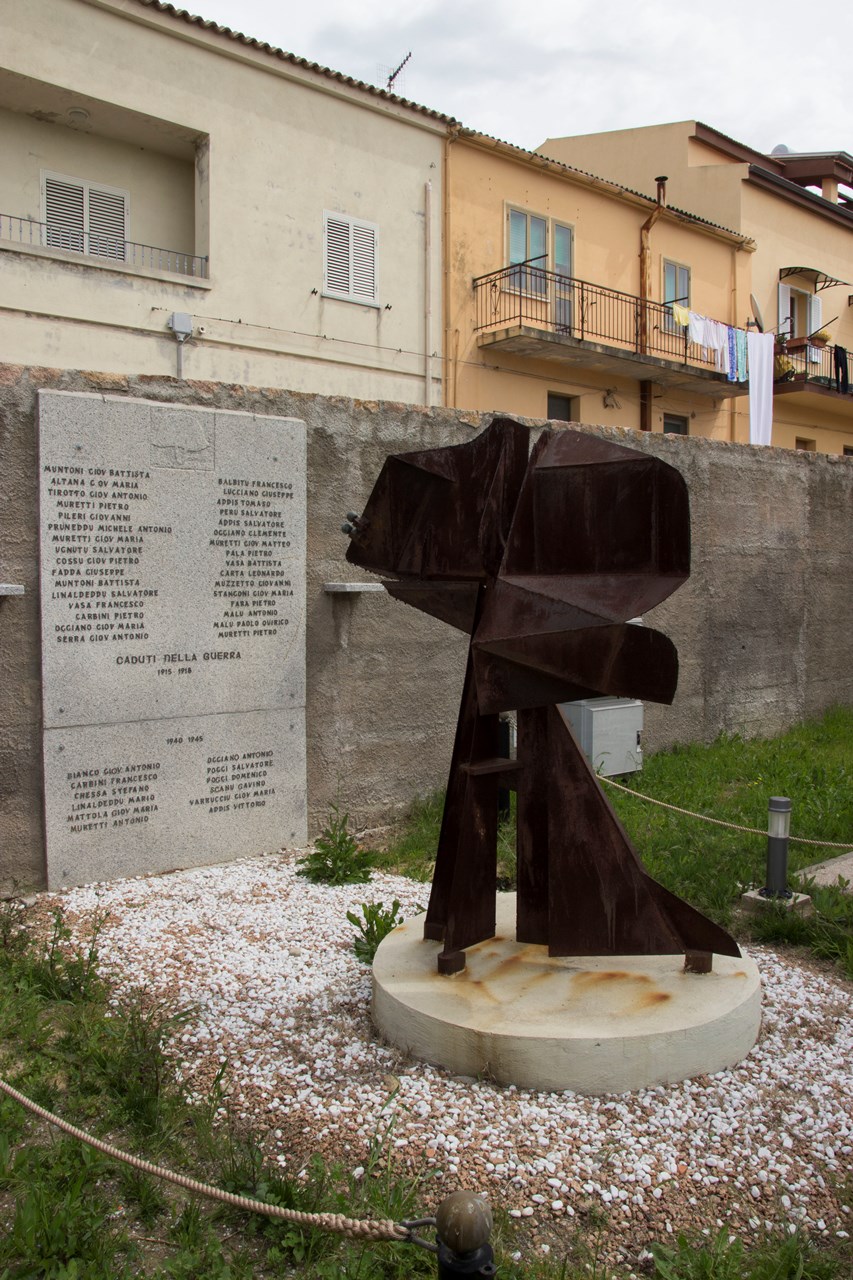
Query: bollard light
(778, 830)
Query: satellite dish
(756, 311)
(781, 150)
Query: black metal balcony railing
(815, 365)
(529, 295)
(25, 231)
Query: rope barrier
(352, 1228)
(718, 822)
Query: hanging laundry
(717, 339)
(740, 337)
(842, 376)
(760, 350)
(732, 373)
(696, 326)
(680, 314)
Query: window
(528, 243)
(83, 217)
(800, 313)
(350, 259)
(847, 451)
(563, 408)
(808, 446)
(676, 288)
(675, 425)
(528, 237)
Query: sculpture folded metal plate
(543, 560)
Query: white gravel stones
(264, 959)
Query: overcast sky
(762, 71)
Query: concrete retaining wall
(763, 627)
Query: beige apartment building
(560, 292)
(178, 198)
(798, 210)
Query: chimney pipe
(661, 183)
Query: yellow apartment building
(178, 198)
(798, 210)
(559, 291)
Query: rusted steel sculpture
(543, 561)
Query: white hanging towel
(696, 326)
(760, 352)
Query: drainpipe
(646, 262)
(646, 405)
(450, 349)
(428, 293)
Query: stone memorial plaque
(125, 800)
(173, 593)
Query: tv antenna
(389, 84)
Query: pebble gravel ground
(265, 960)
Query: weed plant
(374, 924)
(337, 857)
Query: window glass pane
(517, 236)
(562, 408)
(539, 242)
(683, 286)
(563, 250)
(669, 285)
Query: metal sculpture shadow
(543, 561)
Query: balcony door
(542, 251)
(563, 247)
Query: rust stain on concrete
(606, 976)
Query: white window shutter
(784, 327)
(364, 261)
(350, 258)
(107, 216)
(64, 214)
(337, 255)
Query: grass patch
(103, 1062)
(709, 866)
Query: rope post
(778, 830)
(463, 1224)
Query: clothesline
(726, 342)
(742, 357)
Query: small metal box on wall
(609, 731)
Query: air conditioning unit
(609, 731)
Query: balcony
(807, 367)
(105, 250)
(529, 311)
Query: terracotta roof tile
(264, 47)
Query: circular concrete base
(599, 1024)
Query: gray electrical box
(609, 731)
